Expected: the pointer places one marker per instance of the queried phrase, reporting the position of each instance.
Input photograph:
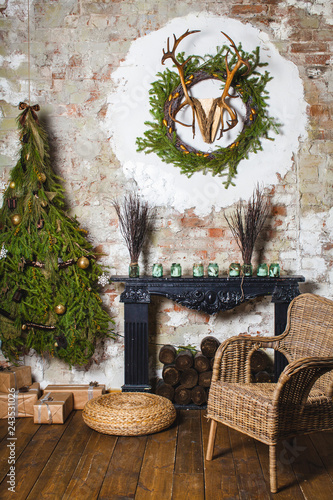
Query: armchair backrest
(309, 332)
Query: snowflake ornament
(3, 252)
(103, 280)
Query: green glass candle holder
(157, 271)
(274, 270)
(134, 270)
(198, 270)
(262, 270)
(234, 269)
(247, 270)
(176, 270)
(213, 270)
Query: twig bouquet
(134, 221)
(247, 221)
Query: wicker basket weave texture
(129, 414)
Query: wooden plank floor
(72, 461)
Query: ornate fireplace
(210, 295)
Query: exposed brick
(318, 110)
(279, 210)
(317, 59)
(309, 47)
(252, 9)
(215, 232)
(305, 35)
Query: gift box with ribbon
(81, 393)
(53, 408)
(15, 377)
(19, 403)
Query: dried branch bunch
(134, 220)
(247, 221)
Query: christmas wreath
(170, 93)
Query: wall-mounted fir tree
(49, 298)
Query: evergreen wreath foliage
(161, 137)
(39, 262)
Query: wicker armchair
(299, 403)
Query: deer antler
(230, 75)
(170, 54)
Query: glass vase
(234, 269)
(198, 270)
(157, 271)
(247, 270)
(134, 270)
(176, 270)
(213, 270)
(262, 270)
(274, 270)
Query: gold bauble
(60, 309)
(12, 185)
(24, 327)
(43, 203)
(16, 219)
(42, 177)
(83, 262)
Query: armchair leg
(211, 440)
(273, 468)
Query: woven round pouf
(129, 413)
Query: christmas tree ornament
(43, 203)
(60, 309)
(24, 327)
(16, 219)
(61, 342)
(12, 185)
(3, 252)
(83, 262)
(11, 203)
(42, 177)
(18, 294)
(103, 280)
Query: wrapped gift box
(81, 393)
(53, 408)
(19, 404)
(15, 377)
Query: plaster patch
(315, 7)
(128, 108)
(282, 30)
(10, 93)
(13, 61)
(177, 318)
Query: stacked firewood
(186, 376)
(262, 367)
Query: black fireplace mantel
(210, 295)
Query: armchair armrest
(233, 357)
(297, 379)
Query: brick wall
(75, 47)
